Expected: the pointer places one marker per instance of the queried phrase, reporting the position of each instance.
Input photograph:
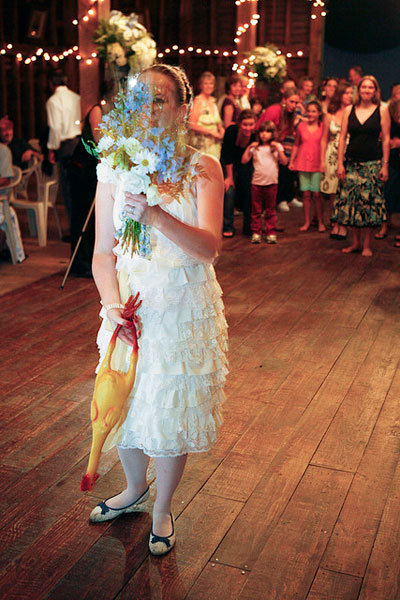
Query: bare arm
(324, 140)
(94, 120)
(385, 126)
(283, 159)
(394, 142)
(342, 142)
(203, 242)
(294, 150)
(248, 153)
(103, 265)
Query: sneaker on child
(271, 238)
(283, 206)
(256, 238)
(296, 203)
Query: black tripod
(78, 244)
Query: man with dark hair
(355, 74)
(63, 117)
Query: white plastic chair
(22, 188)
(46, 196)
(6, 198)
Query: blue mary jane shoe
(102, 512)
(160, 545)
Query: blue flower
(156, 131)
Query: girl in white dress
(175, 405)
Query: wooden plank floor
(299, 499)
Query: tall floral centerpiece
(268, 66)
(125, 44)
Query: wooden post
(89, 74)
(248, 40)
(186, 34)
(317, 28)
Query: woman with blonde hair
(204, 121)
(360, 203)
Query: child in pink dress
(306, 158)
(266, 154)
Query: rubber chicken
(111, 390)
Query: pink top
(272, 113)
(308, 156)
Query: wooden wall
(24, 88)
(287, 23)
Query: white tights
(169, 471)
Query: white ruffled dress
(175, 404)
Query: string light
(318, 4)
(90, 13)
(198, 51)
(245, 26)
(241, 30)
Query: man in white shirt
(64, 119)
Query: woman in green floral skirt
(359, 203)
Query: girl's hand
(274, 145)
(136, 208)
(341, 173)
(290, 167)
(254, 145)
(384, 173)
(114, 315)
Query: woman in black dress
(83, 182)
(360, 203)
(230, 108)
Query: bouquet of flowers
(268, 62)
(122, 39)
(139, 157)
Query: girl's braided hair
(183, 87)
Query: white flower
(132, 146)
(109, 159)
(153, 195)
(127, 34)
(105, 142)
(139, 48)
(134, 182)
(105, 173)
(146, 161)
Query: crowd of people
(339, 146)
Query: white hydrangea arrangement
(268, 62)
(122, 39)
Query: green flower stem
(130, 236)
